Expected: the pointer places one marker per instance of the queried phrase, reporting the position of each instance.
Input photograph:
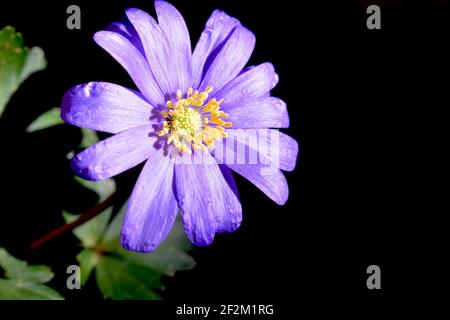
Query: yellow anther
(193, 125)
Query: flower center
(190, 123)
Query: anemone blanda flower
(188, 104)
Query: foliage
(17, 63)
(23, 281)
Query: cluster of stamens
(191, 124)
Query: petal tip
(143, 247)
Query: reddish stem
(86, 216)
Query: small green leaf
(16, 63)
(88, 260)
(90, 232)
(103, 188)
(10, 264)
(120, 279)
(111, 238)
(46, 120)
(90, 137)
(169, 257)
(39, 274)
(122, 274)
(20, 290)
(24, 281)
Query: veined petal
(265, 112)
(176, 31)
(269, 180)
(152, 207)
(126, 29)
(248, 86)
(267, 147)
(207, 203)
(158, 51)
(230, 60)
(132, 60)
(228, 175)
(105, 107)
(217, 30)
(241, 153)
(116, 154)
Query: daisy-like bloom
(190, 105)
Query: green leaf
(24, 281)
(122, 274)
(18, 269)
(88, 260)
(20, 290)
(10, 264)
(103, 188)
(90, 232)
(90, 137)
(168, 258)
(110, 241)
(16, 63)
(120, 279)
(46, 120)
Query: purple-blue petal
(116, 154)
(208, 204)
(132, 60)
(152, 207)
(230, 60)
(248, 86)
(258, 155)
(264, 112)
(126, 29)
(158, 51)
(172, 23)
(269, 180)
(271, 147)
(217, 31)
(105, 107)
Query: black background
(361, 103)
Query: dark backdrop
(359, 103)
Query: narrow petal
(126, 29)
(230, 60)
(248, 86)
(241, 153)
(265, 112)
(176, 31)
(132, 60)
(105, 107)
(158, 51)
(116, 154)
(207, 203)
(152, 207)
(217, 31)
(265, 147)
(269, 180)
(228, 175)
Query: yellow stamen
(193, 124)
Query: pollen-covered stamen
(192, 123)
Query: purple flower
(190, 106)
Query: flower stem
(84, 217)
